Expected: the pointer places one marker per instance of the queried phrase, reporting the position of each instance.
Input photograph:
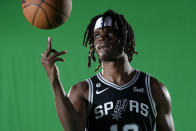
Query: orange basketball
(46, 14)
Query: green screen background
(165, 34)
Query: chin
(107, 58)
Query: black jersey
(129, 107)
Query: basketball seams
(31, 4)
(39, 13)
(46, 16)
(38, 7)
(35, 15)
(54, 8)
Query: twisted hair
(124, 28)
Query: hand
(48, 61)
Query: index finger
(49, 43)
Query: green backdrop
(165, 34)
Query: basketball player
(119, 98)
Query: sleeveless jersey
(129, 107)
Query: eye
(110, 34)
(96, 35)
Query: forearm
(69, 117)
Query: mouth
(102, 46)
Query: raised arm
(71, 110)
(164, 120)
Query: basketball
(46, 14)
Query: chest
(112, 103)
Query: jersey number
(127, 127)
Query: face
(107, 44)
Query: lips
(102, 46)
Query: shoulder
(80, 85)
(78, 96)
(80, 89)
(160, 93)
(162, 99)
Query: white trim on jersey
(126, 85)
(90, 94)
(149, 93)
(90, 98)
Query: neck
(119, 71)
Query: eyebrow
(96, 32)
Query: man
(119, 98)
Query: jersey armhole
(90, 95)
(149, 93)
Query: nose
(103, 36)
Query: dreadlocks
(124, 28)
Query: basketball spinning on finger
(46, 14)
